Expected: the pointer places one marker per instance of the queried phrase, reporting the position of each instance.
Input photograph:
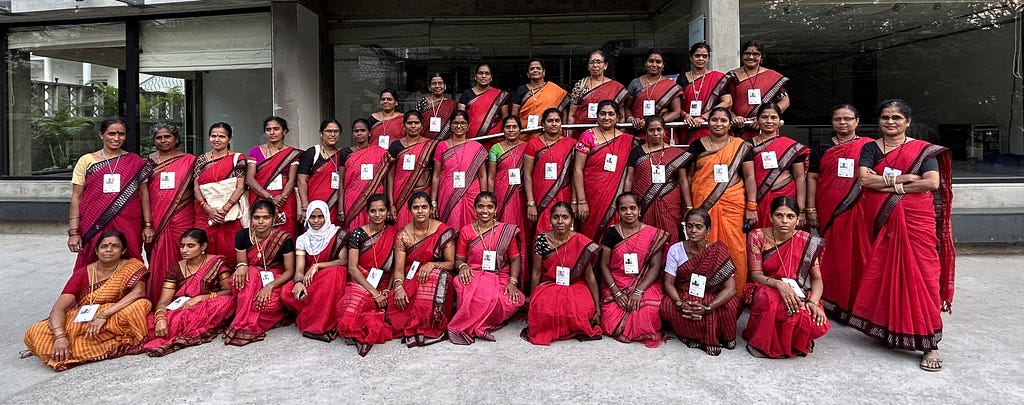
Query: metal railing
(672, 126)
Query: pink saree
(483, 305)
(197, 324)
(121, 210)
(171, 204)
(455, 205)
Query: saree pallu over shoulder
(319, 183)
(441, 109)
(173, 214)
(708, 90)
(251, 323)
(660, 203)
(358, 316)
(455, 205)
(511, 198)
(602, 187)
(548, 192)
(357, 190)
(837, 195)
(483, 112)
(610, 90)
(394, 128)
(718, 327)
(771, 83)
(200, 323)
(788, 152)
(121, 210)
(550, 95)
(406, 181)
(221, 236)
(643, 324)
(483, 306)
(560, 312)
(724, 201)
(267, 171)
(425, 318)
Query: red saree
(197, 324)
(661, 205)
(770, 329)
(251, 324)
(770, 83)
(316, 314)
(425, 319)
(267, 172)
(121, 211)
(393, 128)
(706, 90)
(559, 312)
(661, 92)
(610, 90)
(442, 110)
(787, 152)
(547, 192)
(357, 191)
(644, 324)
(171, 204)
(483, 305)
(717, 328)
(319, 182)
(511, 198)
(602, 187)
(455, 205)
(909, 266)
(835, 198)
(484, 111)
(221, 236)
(406, 182)
(358, 316)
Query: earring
(204, 252)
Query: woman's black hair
(618, 200)
(700, 213)
(197, 234)
(605, 103)
(378, 197)
(329, 121)
(264, 204)
(899, 104)
(768, 106)
(170, 127)
(485, 194)
(405, 118)
(457, 113)
(752, 43)
(549, 111)
(416, 196)
(223, 125)
(113, 233)
(512, 117)
(728, 113)
(111, 121)
(787, 201)
(564, 205)
(700, 45)
(394, 94)
(280, 121)
(363, 121)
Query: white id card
(167, 180)
(335, 180)
(648, 108)
(561, 275)
(532, 121)
(408, 162)
(412, 270)
(721, 173)
(845, 168)
(112, 183)
(374, 277)
(796, 287)
(769, 161)
(697, 284)
(592, 110)
(459, 179)
(366, 171)
(609, 162)
(754, 96)
(550, 171)
(658, 174)
(177, 303)
(267, 277)
(696, 107)
(514, 178)
(276, 184)
(490, 260)
(435, 124)
(87, 312)
(384, 141)
(630, 263)
(888, 171)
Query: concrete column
(47, 69)
(86, 73)
(296, 70)
(722, 31)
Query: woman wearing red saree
(565, 300)
(320, 275)
(703, 90)
(272, 171)
(718, 181)
(369, 165)
(593, 89)
(652, 94)
(195, 304)
(421, 305)
(108, 194)
(170, 202)
(485, 104)
(600, 171)
(370, 257)
(547, 170)
(413, 157)
(437, 109)
(631, 257)
(505, 177)
(459, 174)
(700, 300)
(219, 187)
(319, 172)
(488, 262)
(785, 307)
(386, 124)
(653, 171)
(778, 163)
(266, 261)
(752, 86)
(531, 99)
(907, 242)
(833, 191)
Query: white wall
(241, 98)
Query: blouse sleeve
(306, 161)
(869, 155)
(634, 156)
(755, 245)
(586, 142)
(78, 175)
(460, 248)
(439, 151)
(494, 153)
(242, 241)
(676, 257)
(357, 238)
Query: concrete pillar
(47, 70)
(296, 70)
(722, 31)
(86, 73)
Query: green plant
(51, 136)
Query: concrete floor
(982, 365)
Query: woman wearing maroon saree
(785, 311)
(547, 170)
(564, 302)
(485, 104)
(319, 175)
(600, 170)
(108, 194)
(833, 191)
(413, 167)
(752, 86)
(266, 261)
(421, 306)
(386, 124)
(361, 311)
(459, 174)
(631, 257)
(195, 302)
(505, 177)
(369, 165)
(593, 89)
(320, 275)
(703, 90)
(437, 109)
(170, 203)
(907, 242)
(653, 171)
(220, 206)
(778, 163)
(652, 94)
(488, 262)
(272, 172)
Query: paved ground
(983, 363)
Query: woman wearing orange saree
(361, 311)
(531, 99)
(652, 94)
(593, 89)
(170, 203)
(459, 174)
(505, 177)
(652, 173)
(320, 275)
(703, 90)
(437, 109)
(778, 164)
(600, 171)
(547, 170)
(413, 167)
(219, 187)
(272, 172)
(386, 124)
(753, 86)
(320, 172)
(100, 314)
(364, 168)
(485, 104)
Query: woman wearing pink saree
(547, 171)
(170, 202)
(362, 310)
(505, 176)
(364, 169)
(413, 167)
(600, 176)
(485, 104)
(459, 174)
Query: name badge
(459, 179)
(550, 171)
(648, 108)
(658, 174)
(768, 160)
(514, 178)
(490, 260)
(408, 162)
(266, 277)
(630, 263)
(561, 275)
(697, 284)
(112, 183)
(366, 171)
(412, 270)
(721, 173)
(532, 121)
(435, 124)
(845, 168)
(592, 110)
(335, 180)
(795, 286)
(696, 107)
(87, 312)
(384, 141)
(754, 96)
(888, 171)
(609, 162)
(177, 303)
(276, 184)
(167, 180)
(374, 277)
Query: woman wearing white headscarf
(319, 281)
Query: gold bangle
(60, 336)
(102, 315)
(213, 294)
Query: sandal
(756, 353)
(932, 364)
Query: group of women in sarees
(422, 231)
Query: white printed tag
(648, 108)
(412, 270)
(697, 284)
(112, 183)
(754, 96)
(550, 171)
(167, 180)
(696, 108)
(769, 161)
(266, 277)
(435, 124)
(658, 174)
(459, 179)
(795, 286)
(177, 303)
(276, 184)
(335, 180)
(384, 141)
(721, 173)
(610, 161)
(532, 121)
(630, 263)
(87, 312)
(888, 171)
(513, 177)
(408, 162)
(490, 260)
(374, 277)
(592, 110)
(561, 275)
(845, 168)
(366, 171)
